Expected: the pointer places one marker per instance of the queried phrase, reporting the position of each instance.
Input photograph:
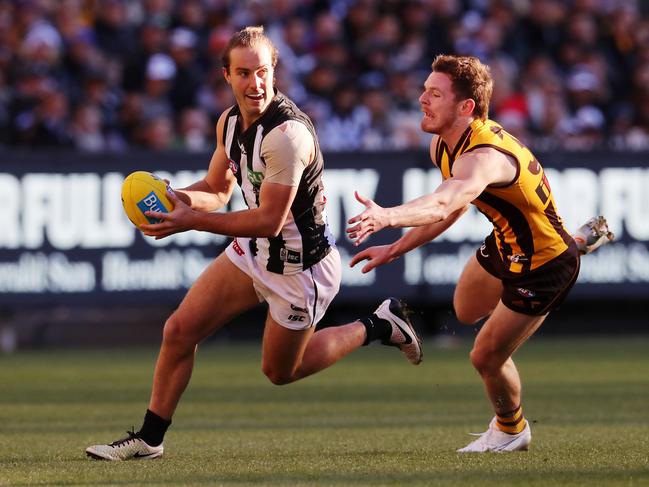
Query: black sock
(376, 328)
(153, 428)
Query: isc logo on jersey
(143, 191)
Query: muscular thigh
(477, 293)
(219, 294)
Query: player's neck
(246, 122)
(453, 133)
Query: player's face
(251, 80)
(438, 104)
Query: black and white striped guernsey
(305, 237)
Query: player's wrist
(201, 221)
(396, 250)
(390, 218)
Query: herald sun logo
(151, 202)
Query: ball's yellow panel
(143, 191)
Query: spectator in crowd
(151, 39)
(215, 96)
(157, 132)
(50, 124)
(188, 79)
(569, 71)
(586, 124)
(97, 90)
(159, 78)
(195, 132)
(86, 129)
(114, 33)
(347, 124)
(379, 134)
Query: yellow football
(143, 191)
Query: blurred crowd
(109, 75)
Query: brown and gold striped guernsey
(528, 230)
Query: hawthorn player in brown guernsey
(525, 267)
(527, 229)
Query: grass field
(371, 420)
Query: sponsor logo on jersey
(290, 256)
(301, 310)
(516, 258)
(234, 167)
(483, 250)
(255, 178)
(151, 202)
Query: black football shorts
(534, 292)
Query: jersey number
(543, 189)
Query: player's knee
(175, 333)
(277, 376)
(465, 316)
(483, 361)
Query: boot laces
(132, 436)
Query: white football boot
(129, 448)
(403, 333)
(592, 235)
(497, 441)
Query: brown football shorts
(534, 292)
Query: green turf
(371, 420)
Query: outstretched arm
(473, 172)
(383, 254)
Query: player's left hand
(376, 256)
(180, 219)
(373, 219)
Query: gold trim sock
(512, 422)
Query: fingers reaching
(361, 216)
(361, 231)
(376, 256)
(372, 220)
(361, 256)
(361, 199)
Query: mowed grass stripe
(371, 420)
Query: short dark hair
(248, 37)
(469, 79)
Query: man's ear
(467, 106)
(226, 75)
